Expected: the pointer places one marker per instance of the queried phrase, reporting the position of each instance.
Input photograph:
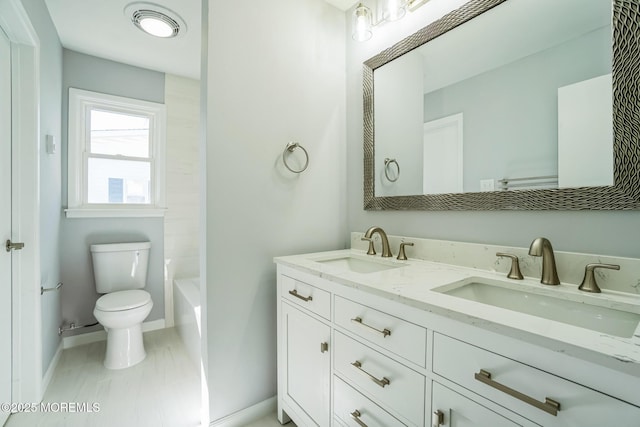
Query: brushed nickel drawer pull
(549, 405)
(383, 382)
(297, 295)
(324, 347)
(385, 332)
(356, 417)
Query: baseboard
(91, 337)
(249, 414)
(51, 369)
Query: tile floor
(161, 391)
(269, 421)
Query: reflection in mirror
(624, 194)
(520, 97)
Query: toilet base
(125, 347)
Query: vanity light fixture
(415, 4)
(361, 23)
(155, 20)
(392, 10)
(389, 10)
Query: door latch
(13, 246)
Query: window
(116, 156)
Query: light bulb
(156, 27)
(393, 10)
(361, 23)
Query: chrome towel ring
(387, 165)
(289, 149)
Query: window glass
(113, 133)
(118, 181)
(116, 156)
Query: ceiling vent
(155, 20)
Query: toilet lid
(123, 300)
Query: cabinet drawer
(349, 403)
(458, 410)
(307, 296)
(389, 332)
(387, 382)
(512, 383)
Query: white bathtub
(186, 311)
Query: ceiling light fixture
(387, 10)
(155, 23)
(155, 20)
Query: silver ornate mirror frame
(623, 195)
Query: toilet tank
(120, 266)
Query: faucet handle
(402, 256)
(371, 250)
(514, 273)
(589, 283)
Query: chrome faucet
(386, 250)
(542, 247)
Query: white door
(5, 222)
(442, 156)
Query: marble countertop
(413, 283)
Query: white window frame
(81, 102)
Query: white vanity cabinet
(304, 360)
(451, 409)
(351, 408)
(349, 357)
(537, 395)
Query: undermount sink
(356, 264)
(566, 308)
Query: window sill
(115, 212)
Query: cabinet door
(308, 366)
(459, 411)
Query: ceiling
(101, 28)
(342, 4)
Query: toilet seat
(123, 300)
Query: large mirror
(519, 104)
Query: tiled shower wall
(181, 224)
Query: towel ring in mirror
(387, 165)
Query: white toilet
(120, 272)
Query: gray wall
(281, 81)
(78, 297)
(611, 233)
(521, 98)
(50, 185)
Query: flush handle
(9, 246)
